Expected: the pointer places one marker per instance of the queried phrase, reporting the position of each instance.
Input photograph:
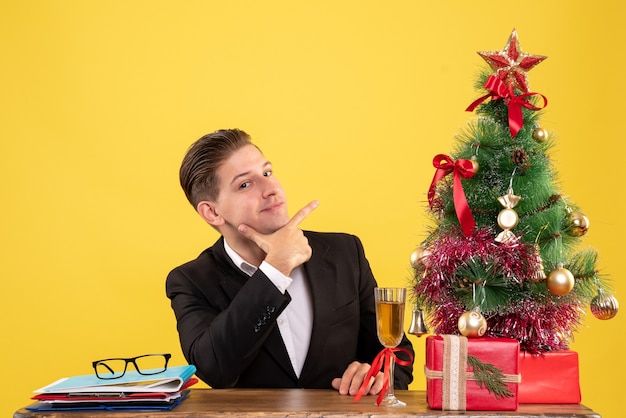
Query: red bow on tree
(461, 168)
(498, 90)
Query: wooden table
(301, 403)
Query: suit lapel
(321, 275)
(233, 279)
(275, 347)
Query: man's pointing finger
(303, 213)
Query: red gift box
(450, 381)
(551, 377)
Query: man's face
(249, 193)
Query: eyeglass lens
(116, 367)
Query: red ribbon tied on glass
(383, 361)
(462, 169)
(498, 90)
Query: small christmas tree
(502, 259)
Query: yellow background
(349, 99)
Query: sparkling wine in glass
(390, 329)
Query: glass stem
(390, 389)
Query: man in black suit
(270, 305)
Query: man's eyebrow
(246, 173)
(234, 180)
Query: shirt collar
(243, 265)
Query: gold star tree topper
(511, 64)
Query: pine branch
(490, 377)
(481, 284)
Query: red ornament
(497, 91)
(511, 64)
(462, 169)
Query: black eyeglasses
(147, 364)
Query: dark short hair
(198, 171)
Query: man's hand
(352, 379)
(286, 248)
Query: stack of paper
(133, 391)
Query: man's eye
(244, 185)
(268, 173)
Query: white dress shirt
(296, 321)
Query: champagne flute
(390, 330)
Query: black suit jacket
(227, 320)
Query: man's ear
(208, 212)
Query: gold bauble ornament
(604, 306)
(577, 224)
(475, 164)
(560, 281)
(540, 134)
(472, 324)
(418, 256)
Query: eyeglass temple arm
(105, 365)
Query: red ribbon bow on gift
(383, 359)
(461, 168)
(498, 90)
